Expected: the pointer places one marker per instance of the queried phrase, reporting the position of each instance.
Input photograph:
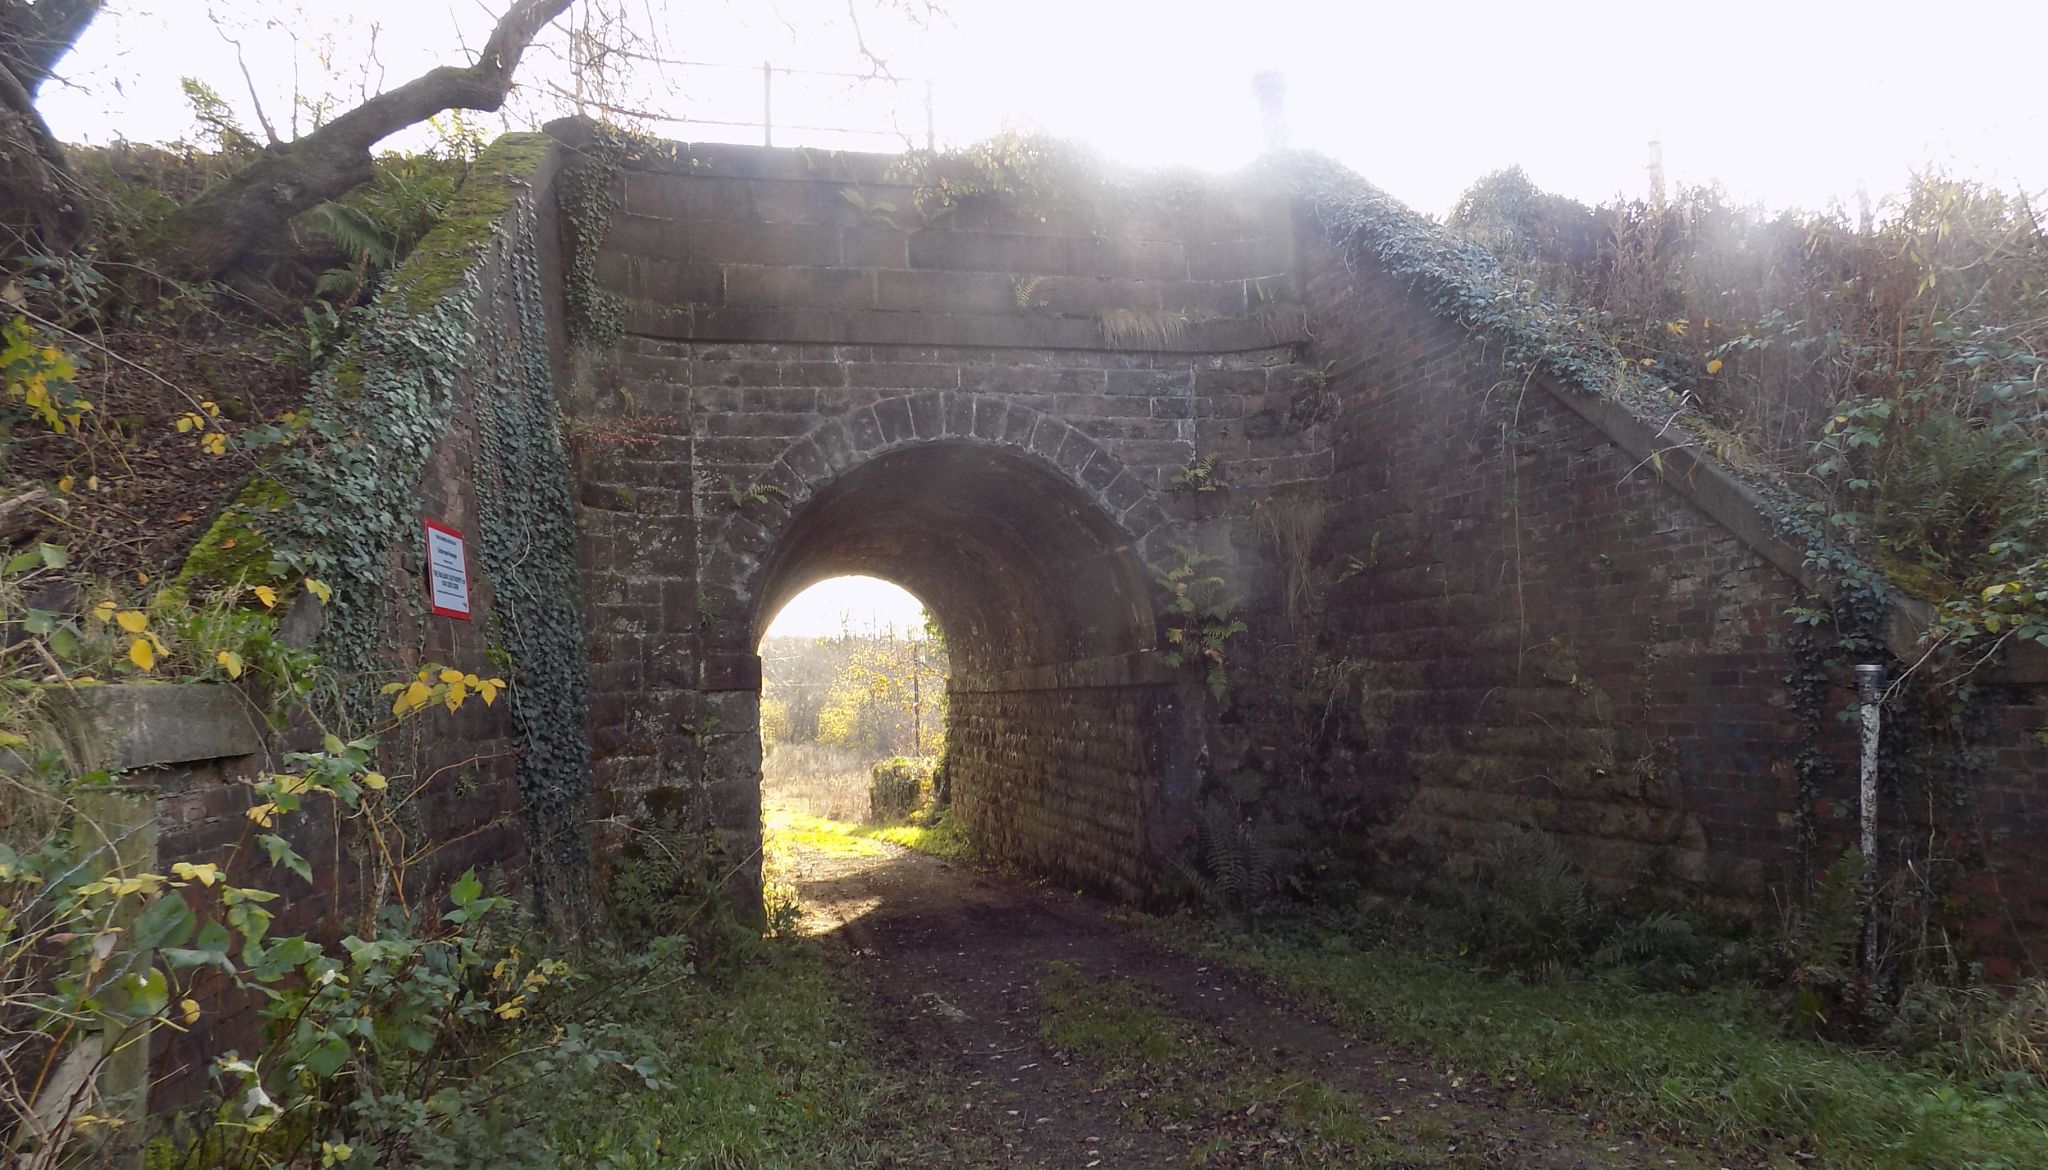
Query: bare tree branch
(255, 99)
(248, 214)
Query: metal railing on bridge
(792, 107)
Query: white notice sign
(447, 572)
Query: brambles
(1201, 617)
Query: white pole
(1870, 695)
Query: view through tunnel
(1056, 739)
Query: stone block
(123, 726)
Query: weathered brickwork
(1468, 607)
(812, 387)
(1076, 782)
(1546, 633)
(458, 770)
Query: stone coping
(1736, 507)
(120, 727)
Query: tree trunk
(247, 216)
(43, 205)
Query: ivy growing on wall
(589, 197)
(344, 492)
(528, 547)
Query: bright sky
(864, 605)
(1786, 102)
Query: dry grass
(817, 780)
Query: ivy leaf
(282, 853)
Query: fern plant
(1240, 864)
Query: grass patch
(763, 1062)
(943, 839)
(1241, 1108)
(786, 829)
(1708, 1064)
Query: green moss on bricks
(234, 547)
(495, 183)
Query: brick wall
(464, 809)
(820, 387)
(1548, 633)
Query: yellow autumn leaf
(104, 611)
(488, 689)
(451, 676)
(205, 873)
(319, 589)
(187, 421)
(266, 595)
(415, 695)
(230, 662)
(456, 694)
(213, 443)
(1714, 367)
(189, 1008)
(132, 620)
(66, 482)
(375, 781)
(142, 654)
(261, 813)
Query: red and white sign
(447, 572)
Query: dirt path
(971, 970)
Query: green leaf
(282, 853)
(466, 890)
(167, 922)
(326, 1059)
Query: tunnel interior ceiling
(1017, 564)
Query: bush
(902, 786)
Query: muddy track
(955, 959)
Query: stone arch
(1097, 512)
(1072, 748)
(1019, 566)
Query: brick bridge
(1474, 601)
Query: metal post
(767, 104)
(124, 817)
(1870, 697)
(931, 125)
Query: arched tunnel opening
(1067, 745)
(1019, 567)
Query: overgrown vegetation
(1525, 972)
(1170, 1074)
(1201, 617)
(1712, 1066)
(1889, 366)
